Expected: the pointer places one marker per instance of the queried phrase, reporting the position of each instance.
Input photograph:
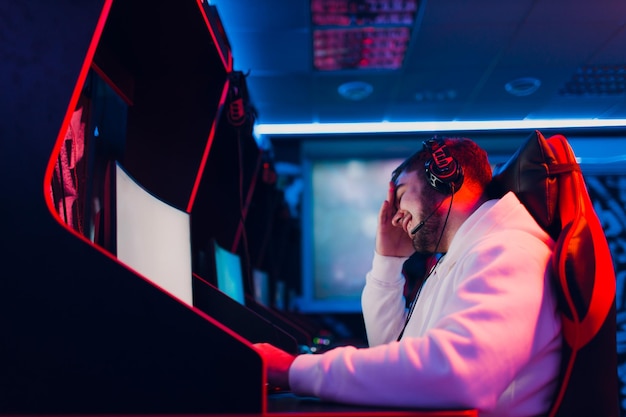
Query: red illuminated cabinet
(146, 84)
(82, 333)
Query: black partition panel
(164, 59)
(228, 181)
(301, 335)
(246, 322)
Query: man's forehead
(405, 177)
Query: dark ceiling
(460, 56)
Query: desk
(279, 404)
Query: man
(483, 332)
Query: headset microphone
(423, 222)
(420, 225)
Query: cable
(414, 302)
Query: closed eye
(398, 200)
(398, 195)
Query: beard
(426, 240)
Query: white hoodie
(484, 334)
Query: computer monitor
(261, 282)
(152, 237)
(229, 274)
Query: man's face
(412, 208)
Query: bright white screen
(229, 274)
(153, 237)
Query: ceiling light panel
(361, 34)
(597, 80)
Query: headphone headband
(443, 172)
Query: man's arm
(382, 299)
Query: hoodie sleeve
(382, 300)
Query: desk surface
(288, 403)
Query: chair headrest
(532, 174)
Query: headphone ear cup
(443, 172)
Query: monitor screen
(261, 283)
(152, 237)
(230, 278)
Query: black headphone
(443, 172)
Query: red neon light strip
(227, 61)
(111, 84)
(207, 148)
(244, 211)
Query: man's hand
(278, 362)
(391, 240)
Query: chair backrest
(547, 179)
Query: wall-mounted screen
(344, 186)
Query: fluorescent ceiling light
(400, 127)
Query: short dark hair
(471, 157)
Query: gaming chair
(547, 179)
